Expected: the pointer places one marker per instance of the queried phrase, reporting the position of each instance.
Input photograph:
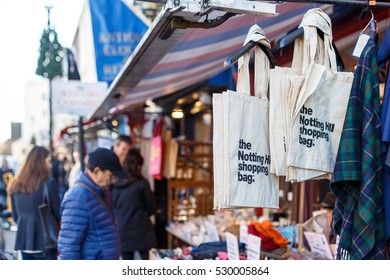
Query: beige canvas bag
(318, 116)
(245, 159)
(306, 96)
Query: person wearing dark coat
(134, 204)
(26, 191)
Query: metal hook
(369, 23)
(372, 15)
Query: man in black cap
(88, 228)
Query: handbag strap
(81, 184)
(46, 197)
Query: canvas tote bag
(218, 149)
(285, 85)
(244, 179)
(318, 116)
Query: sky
(21, 25)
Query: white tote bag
(218, 150)
(319, 113)
(246, 178)
(285, 84)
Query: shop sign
(117, 30)
(77, 98)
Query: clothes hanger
(250, 45)
(373, 26)
(298, 33)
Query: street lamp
(49, 65)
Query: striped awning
(160, 67)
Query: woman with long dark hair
(134, 204)
(26, 191)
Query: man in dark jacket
(88, 228)
(122, 145)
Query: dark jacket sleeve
(54, 198)
(384, 50)
(150, 202)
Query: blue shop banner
(116, 33)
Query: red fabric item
(271, 239)
(266, 243)
(259, 212)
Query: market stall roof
(168, 60)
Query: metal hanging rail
(340, 2)
(232, 3)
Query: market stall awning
(167, 60)
(162, 64)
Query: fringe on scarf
(343, 254)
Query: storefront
(172, 65)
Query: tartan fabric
(357, 180)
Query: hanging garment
(157, 150)
(383, 57)
(357, 183)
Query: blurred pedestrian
(134, 205)
(26, 191)
(59, 173)
(122, 144)
(6, 174)
(88, 229)
(327, 205)
(75, 171)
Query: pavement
(9, 236)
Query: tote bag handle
(316, 56)
(262, 66)
(310, 49)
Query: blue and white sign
(116, 33)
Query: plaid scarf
(357, 183)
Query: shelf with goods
(279, 241)
(190, 189)
(193, 222)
